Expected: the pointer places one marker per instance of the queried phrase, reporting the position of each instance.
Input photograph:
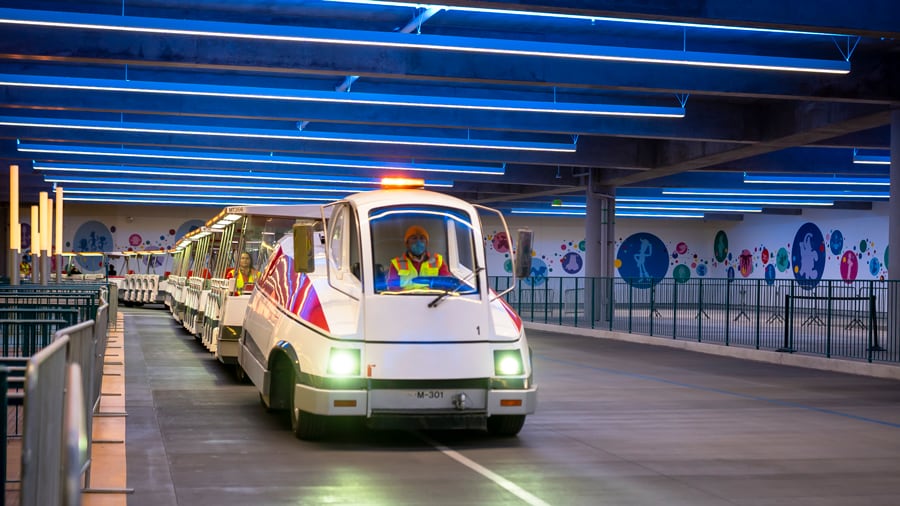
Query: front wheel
(306, 426)
(505, 425)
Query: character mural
(642, 260)
(808, 256)
(91, 236)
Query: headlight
(343, 362)
(508, 363)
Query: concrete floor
(617, 424)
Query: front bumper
(427, 402)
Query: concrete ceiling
(735, 120)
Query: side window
(336, 239)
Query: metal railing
(831, 318)
(46, 350)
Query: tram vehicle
(333, 331)
(147, 287)
(251, 232)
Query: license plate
(427, 399)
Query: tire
(306, 426)
(264, 404)
(241, 375)
(505, 425)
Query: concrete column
(893, 337)
(599, 238)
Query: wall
(817, 244)
(121, 228)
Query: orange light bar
(344, 403)
(402, 182)
(510, 403)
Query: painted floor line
(511, 487)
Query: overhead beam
(869, 81)
(800, 125)
(832, 16)
(703, 120)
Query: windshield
(423, 250)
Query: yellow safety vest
(239, 281)
(407, 271)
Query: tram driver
(416, 261)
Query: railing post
(560, 306)
(630, 302)
(728, 282)
(700, 311)
(675, 310)
(652, 306)
(758, 304)
(828, 322)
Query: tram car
(343, 323)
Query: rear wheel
(505, 425)
(307, 426)
(240, 374)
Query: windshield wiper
(437, 300)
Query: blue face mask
(417, 248)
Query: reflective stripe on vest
(408, 271)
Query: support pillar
(599, 236)
(893, 302)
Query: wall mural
(805, 259)
(810, 255)
(566, 259)
(93, 235)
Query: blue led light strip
(207, 90)
(249, 158)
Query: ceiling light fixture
(688, 207)
(872, 159)
(208, 90)
(238, 201)
(255, 133)
(800, 180)
(151, 183)
(778, 193)
(414, 41)
(198, 195)
(619, 214)
(263, 159)
(729, 201)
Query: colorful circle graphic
(571, 262)
(849, 266)
(770, 274)
(91, 236)
(643, 259)
(782, 260)
(808, 256)
(874, 266)
(702, 270)
(681, 248)
(745, 263)
(720, 246)
(538, 273)
(681, 273)
(500, 242)
(836, 242)
(188, 226)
